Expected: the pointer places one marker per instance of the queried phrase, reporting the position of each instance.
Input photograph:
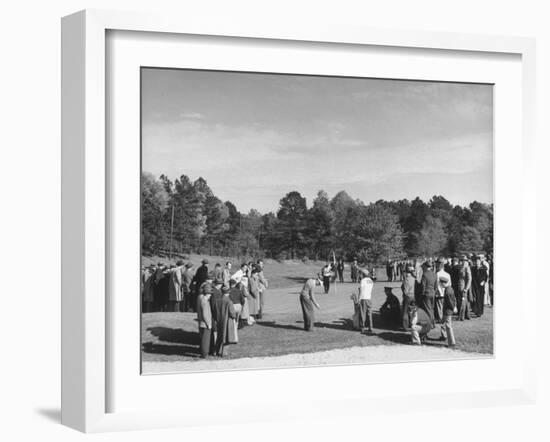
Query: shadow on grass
(175, 335)
(299, 279)
(188, 342)
(273, 324)
(171, 350)
(340, 324)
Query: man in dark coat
(200, 277)
(354, 270)
(429, 286)
(222, 310)
(389, 270)
(453, 271)
(390, 310)
(340, 270)
(480, 276)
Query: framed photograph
(280, 211)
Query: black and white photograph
(300, 220)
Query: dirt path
(353, 355)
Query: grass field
(281, 274)
(173, 337)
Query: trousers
(447, 329)
(464, 311)
(326, 283)
(365, 306)
(307, 311)
(205, 337)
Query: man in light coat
(175, 292)
(440, 292)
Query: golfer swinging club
(307, 301)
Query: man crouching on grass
(365, 304)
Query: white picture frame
(85, 199)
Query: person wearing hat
(365, 303)
(372, 273)
(418, 270)
(428, 288)
(326, 273)
(480, 275)
(463, 293)
(449, 308)
(254, 294)
(439, 293)
(354, 268)
(236, 296)
(408, 289)
(148, 294)
(308, 301)
(391, 310)
(389, 270)
(340, 269)
(174, 287)
(218, 274)
(199, 279)
(263, 284)
(239, 274)
(487, 298)
(161, 288)
(187, 286)
(204, 318)
(226, 274)
(222, 311)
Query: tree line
(186, 217)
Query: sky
(255, 137)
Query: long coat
(187, 279)
(148, 286)
(480, 275)
(408, 287)
(201, 275)
(222, 310)
(174, 286)
(428, 289)
(253, 294)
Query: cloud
(191, 116)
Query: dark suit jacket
(429, 283)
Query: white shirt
(238, 275)
(365, 288)
(440, 286)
